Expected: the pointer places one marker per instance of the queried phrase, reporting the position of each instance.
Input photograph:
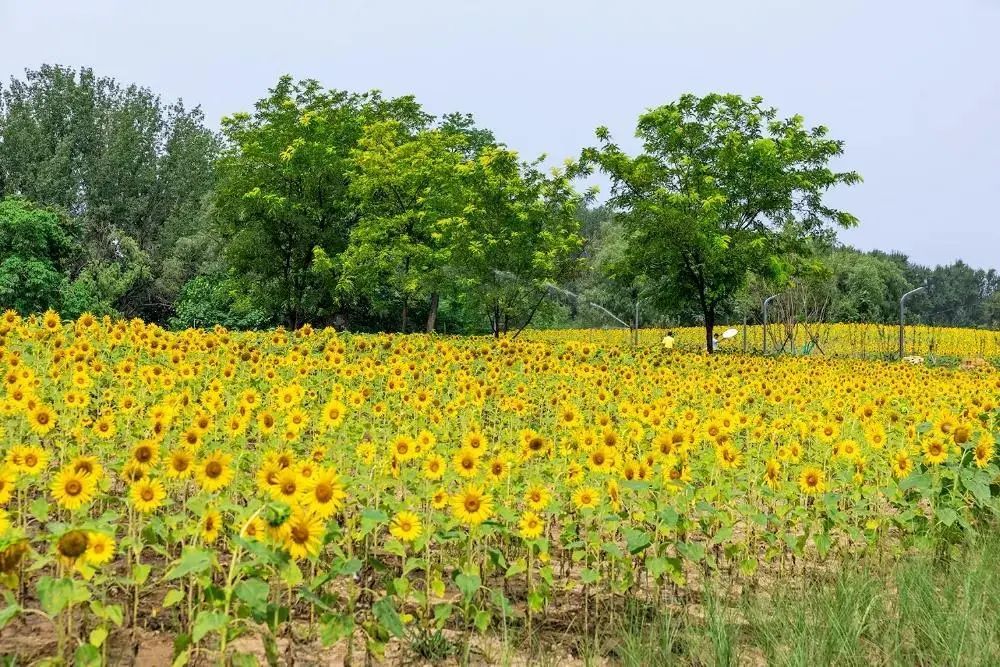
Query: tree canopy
(369, 212)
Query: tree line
(368, 212)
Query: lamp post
(902, 321)
(767, 301)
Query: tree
(518, 235)
(407, 186)
(121, 163)
(283, 196)
(36, 250)
(722, 189)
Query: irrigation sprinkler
(767, 301)
(902, 321)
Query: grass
(921, 609)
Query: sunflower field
(394, 493)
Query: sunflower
(289, 486)
(214, 472)
(87, 465)
(333, 414)
(72, 545)
(531, 526)
(935, 451)
(72, 489)
(983, 453)
(812, 480)
(254, 529)
(42, 419)
(439, 499)
(434, 467)
(901, 463)
(8, 478)
(405, 526)
(146, 454)
(104, 427)
(403, 448)
(601, 458)
(728, 457)
(472, 505)
(211, 525)
(303, 535)
(100, 548)
(586, 498)
(772, 473)
(180, 462)
(33, 460)
(147, 495)
(466, 462)
(537, 497)
(323, 493)
(497, 468)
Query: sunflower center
(323, 493)
(73, 487)
(300, 534)
(147, 494)
(472, 504)
(213, 469)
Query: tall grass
(921, 609)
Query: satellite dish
(729, 333)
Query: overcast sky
(913, 87)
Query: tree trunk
(709, 312)
(406, 312)
(433, 312)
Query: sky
(912, 87)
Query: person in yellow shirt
(668, 342)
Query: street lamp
(767, 301)
(902, 339)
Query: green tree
(283, 196)
(36, 251)
(115, 158)
(518, 235)
(408, 190)
(722, 189)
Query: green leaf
(8, 613)
(57, 594)
(482, 620)
(111, 612)
(98, 635)
(39, 509)
(723, 535)
(387, 616)
(206, 622)
(946, 515)
(140, 573)
(173, 596)
(291, 575)
(613, 550)
(253, 592)
(87, 655)
(517, 567)
(335, 628)
(193, 560)
(693, 551)
(589, 576)
(637, 540)
(468, 583)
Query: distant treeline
(367, 212)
